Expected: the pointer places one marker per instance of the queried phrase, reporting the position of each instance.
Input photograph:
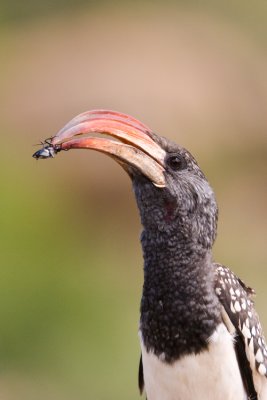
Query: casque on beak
(133, 147)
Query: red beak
(134, 147)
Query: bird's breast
(211, 374)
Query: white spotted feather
(239, 311)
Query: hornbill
(200, 335)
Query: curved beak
(130, 143)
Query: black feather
(244, 367)
(141, 383)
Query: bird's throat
(179, 309)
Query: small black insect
(48, 151)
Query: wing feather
(250, 345)
(141, 383)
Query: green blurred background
(71, 264)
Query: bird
(200, 334)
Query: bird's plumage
(200, 335)
(242, 323)
(212, 374)
(237, 301)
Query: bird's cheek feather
(170, 211)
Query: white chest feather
(211, 375)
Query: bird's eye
(176, 162)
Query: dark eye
(176, 162)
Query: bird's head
(172, 193)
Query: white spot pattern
(259, 356)
(237, 306)
(237, 301)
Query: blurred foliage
(16, 11)
(71, 263)
(248, 13)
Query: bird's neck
(179, 310)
